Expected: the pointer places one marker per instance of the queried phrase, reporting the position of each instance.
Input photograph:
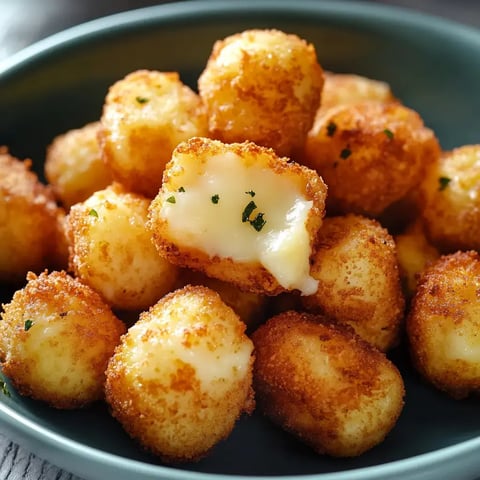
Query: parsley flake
(93, 213)
(181, 189)
(4, 389)
(171, 199)
(331, 129)
(251, 193)
(141, 100)
(215, 198)
(247, 211)
(28, 325)
(258, 222)
(443, 183)
(345, 153)
(388, 133)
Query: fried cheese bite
(239, 213)
(262, 86)
(450, 200)
(182, 375)
(112, 251)
(414, 252)
(145, 115)
(370, 154)
(57, 336)
(28, 220)
(444, 322)
(321, 382)
(356, 266)
(345, 89)
(250, 307)
(74, 166)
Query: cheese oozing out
(246, 213)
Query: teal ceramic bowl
(432, 65)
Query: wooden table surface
(45, 17)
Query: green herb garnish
(258, 222)
(247, 211)
(443, 183)
(28, 325)
(215, 198)
(171, 199)
(4, 389)
(251, 193)
(345, 153)
(388, 133)
(331, 129)
(141, 100)
(93, 213)
(181, 189)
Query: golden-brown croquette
(450, 200)
(262, 86)
(444, 323)
(112, 251)
(356, 266)
(182, 375)
(370, 154)
(57, 336)
(28, 220)
(145, 115)
(346, 88)
(239, 213)
(74, 166)
(318, 380)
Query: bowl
(433, 65)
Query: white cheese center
(210, 215)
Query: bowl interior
(433, 66)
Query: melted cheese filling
(221, 212)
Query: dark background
(24, 21)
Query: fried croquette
(444, 322)
(414, 253)
(250, 307)
(57, 336)
(344, 89)
(450, 200)
(321, 382)
(263, 86)
(182, 375)
(239, 213)
(28, 220)
(74, 166)
(356, 266)
(145, 115)
(370, 154)
(112, 251)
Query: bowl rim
(177, 11)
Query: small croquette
(182, 375)
(112, 251)
(239, 213)
(56, 337)
(321, 382)
(355, 263)
(145, 115)
(370, 154)
(443, 324)
(262, 86)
